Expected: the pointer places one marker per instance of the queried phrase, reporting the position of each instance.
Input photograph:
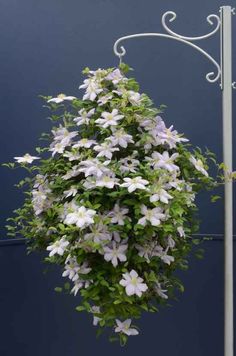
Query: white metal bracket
(170, 16)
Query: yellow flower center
(84, 140)
(109, 117)
(199, 163)
(134, 281)
(61, 96)
(80, 214)
(149, 214)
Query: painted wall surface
(44, 45)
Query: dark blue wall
(44, 45)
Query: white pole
(226, 56)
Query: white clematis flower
(160, 194)
(134, 183)
(66, 208)
(124, 327)
(84, 142)
(115, 76)
(118, 215)
(167, 258)
(198, 165)
(73, 172)
(96, 319)
(146, 251)
(93, 167)
(154, 216)
(39, 180)
(150, 124)
(41, 200)
(71, 269)
(106, 181)
(104, 99)
(57, 147)
(84, 117)
(134, 97)
(106, 149)
(120, 137)
(78, 284)
(60, 98)
(72, 156)
(115, 252)
(163, 160)
(27, 158)
(63, 136)
(58, 247)
(70, 192)
(160, 252)
(81, 217)
(133, 283)
(109, 119)
(90, 182)
(170, 137)
(174, 182)
(98, 74)
(84, 269)
(129, 164)
(92, 87)
(98, 234)
(161, 292)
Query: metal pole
(226, 82)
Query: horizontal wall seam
(20, 241)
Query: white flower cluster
(152, 249)
(159, 134)
(41, 195)
(114, 152)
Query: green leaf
(80, 308)
(117, 302)
(214, 198)
(58, 289)
(67, 286)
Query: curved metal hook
(172, 16)
(211, 76)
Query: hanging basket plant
(111, 200)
